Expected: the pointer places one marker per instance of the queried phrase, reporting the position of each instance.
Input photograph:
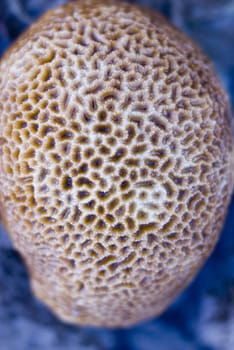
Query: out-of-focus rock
(5, 241)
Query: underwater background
(202, 317)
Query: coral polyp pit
(115, 160)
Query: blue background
(202, 318)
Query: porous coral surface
(116, 160)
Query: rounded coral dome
(115, 160)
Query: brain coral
(115, 160)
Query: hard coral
(115, 163)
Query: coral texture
(115, 163)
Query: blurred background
(202, 318)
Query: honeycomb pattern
(115, 160)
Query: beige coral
(115, 160)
